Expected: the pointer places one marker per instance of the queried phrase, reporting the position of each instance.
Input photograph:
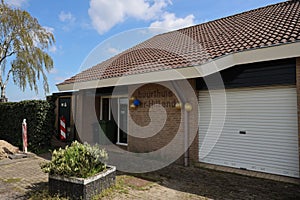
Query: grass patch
(12, 180)
(40, 191)
(124, 183)
(119, 187)
(43, 194)
(137, 183)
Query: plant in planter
(79, 171)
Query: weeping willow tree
(23, 50)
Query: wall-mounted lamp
(178, 106)
(188, 107)
(132, 106)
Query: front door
(64, 112)
(114, 112)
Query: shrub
(39, 115)
(78, 160)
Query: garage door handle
(243, 132)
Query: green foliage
(78, 160)
(40, 118)
(23, 49)
(121, 187)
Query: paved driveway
(19, 177)
(220, 185)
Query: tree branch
(7, 77)
(7, 45)
(4, 57)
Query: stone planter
(82, 188)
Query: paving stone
(17, 156)
(19, 176)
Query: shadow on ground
(198, 181)
(9, 192)
(37, 189)
(221, 185)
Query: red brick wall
(147, 94)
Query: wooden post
(24, 135)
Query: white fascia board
(278, 52)
(282, 51)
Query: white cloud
(106, 14)
(171, 22)
(113, 50)
(53, 49)
(16, 3)
(66, 17)
(86, 26)
(49, 29)
(56, 49)
(53, 71)
(60, 79)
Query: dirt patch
(7, 149)
(136, 182)
(130, 187)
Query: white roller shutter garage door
(260, 132)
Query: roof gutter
(277, 52)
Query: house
(225, 92)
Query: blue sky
(82, 25)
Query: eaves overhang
(276, 52)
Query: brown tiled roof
(268, 26)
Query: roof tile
(267, 26)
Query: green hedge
(40, 118)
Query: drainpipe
(186, 122)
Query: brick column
(298, 101)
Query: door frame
(118, 119)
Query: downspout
(186, 122)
